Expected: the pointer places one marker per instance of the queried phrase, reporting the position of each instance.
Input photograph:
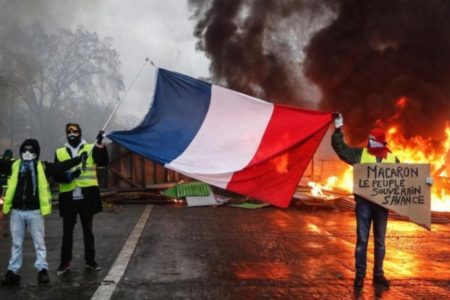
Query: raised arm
(346, 153)
(99, 152)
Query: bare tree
(55, 78)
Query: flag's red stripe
(290, 140)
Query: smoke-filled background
(50, 75)
(71, 61)
(362, 55)
(257, 47)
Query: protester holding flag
(366, 211)
(80, 195)
(28, 199)
(225, 138)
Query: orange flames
(414, 150)
(421, 150)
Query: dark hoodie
(26, 196)
(33, 143)
(7, 154)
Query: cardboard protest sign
(398, 187)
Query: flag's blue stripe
(179, 108)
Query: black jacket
(91, 202)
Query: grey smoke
(363, 55)
(258, 49)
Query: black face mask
(73, 140)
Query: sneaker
(11, 278)
(359, 282)
(43, 276)
(62, 269)
(93, 266)
(381, 280)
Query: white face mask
(27, 155)
(375, 144)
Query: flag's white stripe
(229, 136)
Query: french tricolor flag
(227, 139)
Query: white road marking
(109, 283)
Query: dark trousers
(69, 221)
(366, 212)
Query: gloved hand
(71, 175)
(429, 180)
(99, 137)
(338, 120)
(83, 156)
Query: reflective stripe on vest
(367, 158)
(44, 194)
(87, 178)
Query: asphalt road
(234, 253)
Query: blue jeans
(18, 222)
(366, 212)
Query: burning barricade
(338, 188)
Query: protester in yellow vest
(80, 196)
(28, 199)
(367, 212)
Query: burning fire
(413, 150)
(421, 150)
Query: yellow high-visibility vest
(44, 193)
(87, 178)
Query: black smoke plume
(251, 50)
(363, 59)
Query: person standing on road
(365, 210)
(80, 196)
(28, 198)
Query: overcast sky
(161, 30)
